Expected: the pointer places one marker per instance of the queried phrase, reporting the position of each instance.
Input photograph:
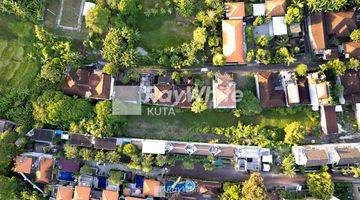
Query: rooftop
(64, 193)
(105, 143)
(275, 7)
(233, 41)
(224, 91)
(352, 49)
(235, 10)
(81, 140)
(23, 164)
(44, 173)
(351, 82)
(271, 92)
(341, 24)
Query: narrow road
(227, 173)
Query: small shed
(153, 146)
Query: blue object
(58, 132)
(139, 181)
(182, 187)
(102, 182)
(66, 176)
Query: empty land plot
(71, 13)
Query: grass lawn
(185, 125)
(51, 13)
(160, 31)
(279, 118)
(70, 13)
(15, 43)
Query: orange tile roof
(235, 9)
(233, 41)
(110, 195)
(82, 193)
(353, 49)
(341, 23)
(317, 33)
(151, 188)
(64, 193)
(163, 94)
(23, 164)
(275, 7)
(225, 91)
(44, 174)
(133, 198)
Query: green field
(160, 31)
(16, 39)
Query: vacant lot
(71, 11)
(162, 30)
(51, 14)
(15, 43)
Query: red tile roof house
(321, 26)
(87, 84)
(328, 120)
(270, 90)
(352, 50)
(234, 46)
(318, 90)
(224, 91)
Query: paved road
(227, 173)
(248, 68)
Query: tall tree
(294, 133)
(231, 191)
(97, 19)
(254, 188)
(320, 185)
(288, 165)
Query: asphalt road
(227, 173)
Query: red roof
(275, 7)
(83, 83)
(318, 37)
(271, 93)
(235, 9)
(331, 120)
(44, 174)
(352, 49)
(341, 23)
(233, 41)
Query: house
(328, 120)
(206, 191)
(275, 8)
(341, 24)
(6, 125)
(291, 88)
(44, 173)
(269, 89)
(69, 165)
(278, 26)
(110, 195)
(105, 144)
(235, 10)
(318, 90)
(347, 156)
(23, 164)
(234, 47)
(352, 50)
(183, 96)
(163, 94)
(87, 84)
(153, 188)
(340, 154)
(258, 9)
(81, 140)
(41, 135)
(351, 83)
(317, 33)
(82, 193)
(304, 93)
(224, 91)
(64, 193)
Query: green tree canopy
(119, 47)
(254, 188)
(231, 191)
(336, 67)
(55, 108)
(263, 56)
(288, 165)
(219, 59)
(320, 185)
(249, 104)
(326, 5)
(301, 70)
(355, 35)
(97, 19)
(293, 15)
(8, 150)
(294, 133)
(200, 36)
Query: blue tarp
(66, 176)
(139, 181)
(58, 132)
(102, 182)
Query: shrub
(219, 59)
(130, 149)
(259, 20)
(301, 69)
(355, 35)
